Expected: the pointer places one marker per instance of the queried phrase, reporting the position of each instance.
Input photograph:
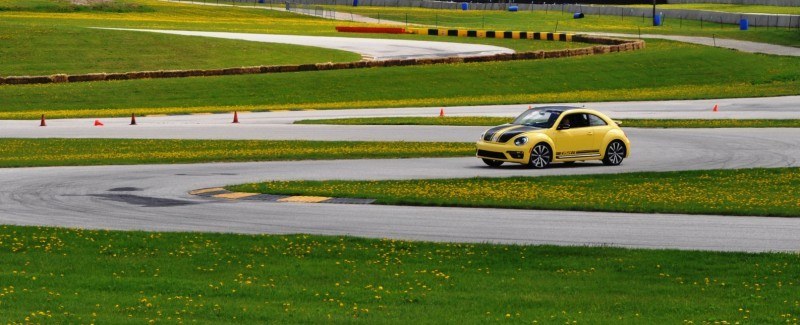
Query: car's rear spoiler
(619, 123)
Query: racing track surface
(276, 125)
(155, 197)
(376, 49)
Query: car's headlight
(521, 141)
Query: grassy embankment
(491, 120)
(665, 70)
(54, 275)
(66, 6)
(723, 192)
(43, 43)
(51, 38)
(86, 152)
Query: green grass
(47, 49)
(43, 43)
(723, 192)
(716, 123)
(447, 120)
(737, 8)
(85, 152)
(492, 120)
(557, 21)
(56, 275)
(118, 6)
(665, 70)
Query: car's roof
(557, 108)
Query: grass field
(54, 275)
(722, 192)
(491, 120)
(65, 6)
(737, 8)
(86, 152)
(48, 49)
(37, 43)
(665, 70)
(557, 21)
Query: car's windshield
(540, 118)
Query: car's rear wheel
(492, 162)
(615, 153)
(541, 156)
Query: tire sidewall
(606, 158)
(549, 161)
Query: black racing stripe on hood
(515, 132)
(491, 132)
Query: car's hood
(505, 132)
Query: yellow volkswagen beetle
(544, 135)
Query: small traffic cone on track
(98, 123)
(42, 123)
(441, 112)
(716, 108)
(235, 117)
(133, 119)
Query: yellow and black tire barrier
(563, 37)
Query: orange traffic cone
(98, 123)
(716, 108)
(235, 117)
(42, 123)
(529, 106)
(441, 112)
(133, 119)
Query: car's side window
(595, 120)
(577, 120)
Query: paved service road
(373, 48)
(155, 197)
(744, 46)
(275, 125)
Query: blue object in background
(261, 1)
(577, 15)
(355, 3)
(657, 20)
(464, 6)
(744, 24)
(513, 8)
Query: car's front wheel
(615, 153)
(541, 156)
(492, 162)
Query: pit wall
(605, 45)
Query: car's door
(575, 141)
(597, 129)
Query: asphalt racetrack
(155, 197)
(371, 48)
(277, 125)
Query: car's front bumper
(502, 152)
